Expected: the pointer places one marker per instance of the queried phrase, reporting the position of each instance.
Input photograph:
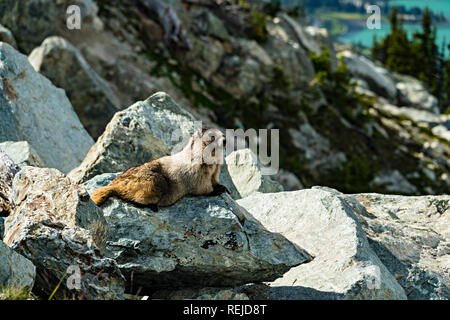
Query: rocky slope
(364, 246)
(238, 67)
(231, 67)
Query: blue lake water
(437, 6)
(365, 36)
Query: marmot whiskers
(192, 171)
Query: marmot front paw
(218, 190)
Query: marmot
(164, 181)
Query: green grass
(14, 293)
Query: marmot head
(212, 136)
(207, 146)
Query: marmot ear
(204, 129)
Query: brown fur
(166, 180)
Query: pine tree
(440, 77)
(394, 50)
(418, 57)
(445, 105)
(399, 51)
(427, 53)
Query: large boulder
(197, 242)
(322, 222)
(92, 98)
(16, 272)
(58, 227)
(33, 109)
(376, 77)
(411, 236)
(21, 153)
(145, 131)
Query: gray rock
(246, 177)
(322, 38)
(34, 20)
(288, 180)
(445, 120)
(307, 42)
(56, 226)
(21, 153)
(318, 155)
(285, 51)
(197, 242)
(415, 94)
(441, 131)
(16, 272)
(376, 77)
(248, 68)
(7, 36)
(240, 76)
(8, 170)
(393, 181)
(256, 51)
(419, 116)
(32, 109)
(205, 56)
(344, 265)
(411, 237)
(92, 98)
(209, 24)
